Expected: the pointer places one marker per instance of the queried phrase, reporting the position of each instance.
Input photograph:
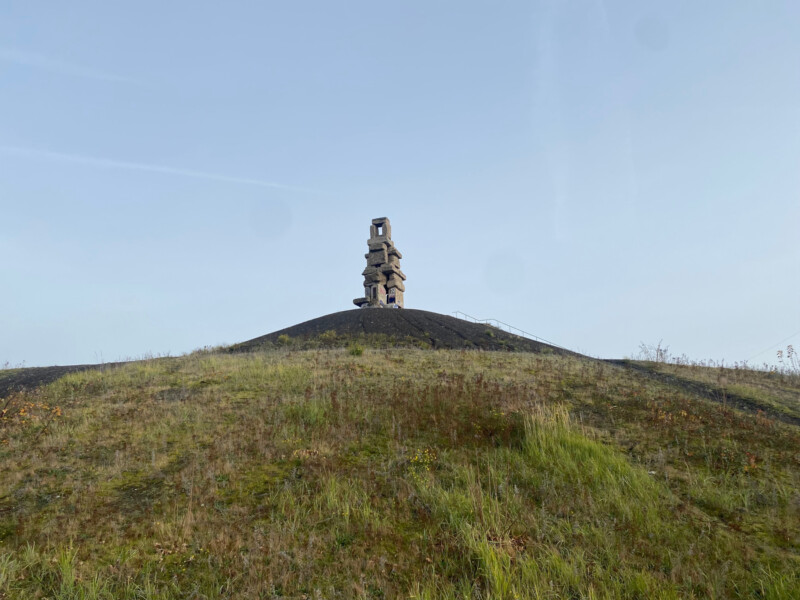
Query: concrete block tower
(383, 279)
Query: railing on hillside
(502, 326)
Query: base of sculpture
(366, 303)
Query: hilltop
(294, 471)
(397, 327)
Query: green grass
(394, 473)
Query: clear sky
(189, 173)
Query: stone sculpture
(383, 279)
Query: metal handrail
(497, 324)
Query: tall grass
(391, 474)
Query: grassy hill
(399, 473)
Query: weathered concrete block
(377, 258)
(394, 298)
(395, 282)
(380, 228)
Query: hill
(398, 473)
(371, 327)
(406, 327)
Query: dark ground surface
(405, 327)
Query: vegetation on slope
(773, 391)
(391, 473)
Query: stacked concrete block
(383, 279)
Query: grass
(392, 473)
(8, 372)
(774, 390)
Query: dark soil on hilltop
(399, 327)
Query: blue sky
(182, 174)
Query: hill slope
(394, 474)
(29, 378)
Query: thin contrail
(133, 166)
(56, 65)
